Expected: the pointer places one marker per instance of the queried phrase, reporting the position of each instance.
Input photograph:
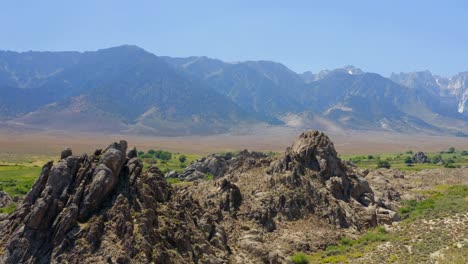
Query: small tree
(384, 164)
(451, 150)
(182, 158)
(408, 160)
(436, 159)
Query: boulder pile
(257, 209)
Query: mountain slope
(443, 98)
(266, 88)
(133, 87)
(364, 101)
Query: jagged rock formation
(293, 203)
(420, 157)
(100, 209)
(103, 208)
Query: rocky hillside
(104, 208)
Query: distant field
(175, 162)
(17, 179)
(397, 160)
(268, 139)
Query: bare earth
(267, 139)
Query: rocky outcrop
(311, 165)
(420, 157)
(102, 208)
(276, 196)
(5, 199)
(216, 165)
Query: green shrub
(451, 150)
(209, 176)
(173, 180)
(300, 258)
(182, 158)
(408, 160)
(384, 164)
(464, 153)
(450, 165)
(436, 159)
(164, 155)
(146, 156)
(9, 209)
(376, 235)
(451, 200)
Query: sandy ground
(269, 139)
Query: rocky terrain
(5, 199)
(257, 209)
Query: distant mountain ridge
(126, 89)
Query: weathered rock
(218, 165)
(66, 153)
(171, 174)
(3, 216)
(5, 199)
(104, 178)
(102, 209)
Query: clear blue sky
(378, 36)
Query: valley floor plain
(274, 139)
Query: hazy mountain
(127, 89)
(265, 88)
(454, 90)
(457, 86)
(309, 76)
(130, 89)
(32, 69)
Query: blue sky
(378, 36)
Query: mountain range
(126, 89)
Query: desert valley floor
(267, 139)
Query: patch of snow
(384, 123)
(338, 107)
(462, 103)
